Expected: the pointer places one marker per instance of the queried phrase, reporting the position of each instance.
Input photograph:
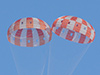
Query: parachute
(32, 32)
(29, 32)
(74, 29)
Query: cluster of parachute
(32, 32)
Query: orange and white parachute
(29, 32)
(74, 29)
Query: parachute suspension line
(14, 59)
(49, 59)
(43, 69)
(45, 59)
(83, 53)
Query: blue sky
(64, 55)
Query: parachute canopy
(74, 29)
(29, 32)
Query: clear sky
(64, 56)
